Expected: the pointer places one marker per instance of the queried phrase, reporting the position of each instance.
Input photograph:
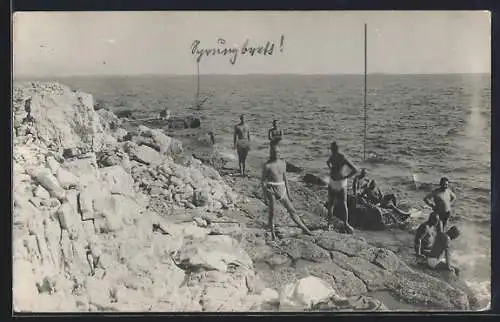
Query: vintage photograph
(251, 161)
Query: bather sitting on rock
(439, 257)
(360, 182)
(426, 235)
(374, 196)
(275, 186)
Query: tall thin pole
(364, 137)
(197, 82)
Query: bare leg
(244, 162)
(343, 206)
(270, 210)
(331, 205)
(240, 163)
(293, 214)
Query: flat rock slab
(360, 303)
(298, 248)
(374, 277)
(344, 281)
(347, 245)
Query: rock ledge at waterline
(106, 220)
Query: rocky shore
(113, 219)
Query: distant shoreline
(33, 78)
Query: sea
(419, 128)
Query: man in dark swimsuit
(242, 143)
(275, 186)
(442, 199)
(337, 185)
(275, 134)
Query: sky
(314, 42)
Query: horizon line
(246, 74)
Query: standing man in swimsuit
(242, 143)
(442, 199)
(275, 134)
(337, 185)
(275, 186)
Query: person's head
(362, 174)
(453, 232)
(433, 219)
(275, 123)
(274, 151)
(242, 118)
(334, 147)
(444, 182)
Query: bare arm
(269, 134)
(263, 178)
(329, 162)
(452, 197)
(351, 165)
(427, 199)
(286, 181)
(234, 138)
(248, 134)
(418, 241)
(440, 228)
(354, 185)
(447, 254)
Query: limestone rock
(142, 154)
(63, 117)
(230, 229)
(66, 179)
(350, 246)
(41, 192)
(52, 164)
(85, 169)
(201, 198)
(111, 213)
(343, 281)
(111, 157)
(360, 303)
(372, 275)
(109, 120)
(305, 293)
(216, 252)
(298, 248)
(117, 180)
(387, 260)
(161, 142)
(120, 134)
(47, 180)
